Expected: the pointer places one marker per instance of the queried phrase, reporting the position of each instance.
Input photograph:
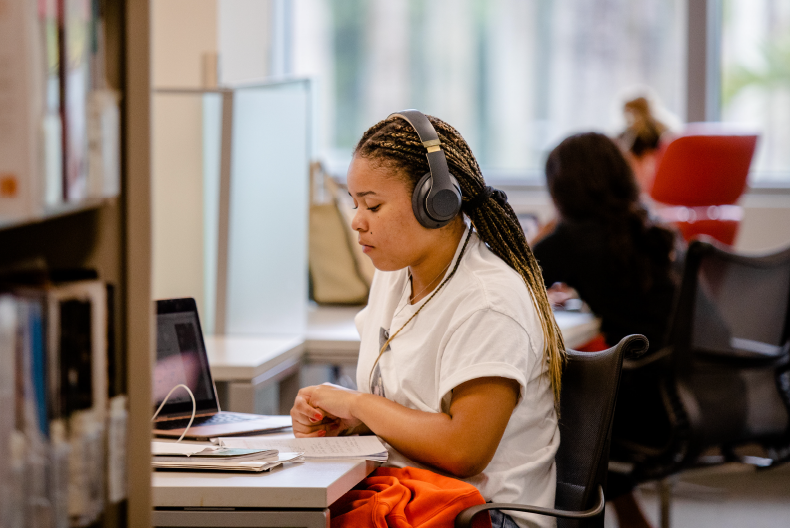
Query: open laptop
(181, 358)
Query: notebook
(328, 448)
(181, 358)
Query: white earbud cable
(194, 408)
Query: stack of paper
(171, 455)
(335, 448)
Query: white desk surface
(245, 357)
(314, 484)
(332, 337)
(331, 329)
(577, 328)
(332, 334)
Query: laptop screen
(181, 358)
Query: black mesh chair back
(730, 334)
(589, 392)
(733, 305)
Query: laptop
(181, 358)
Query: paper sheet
(173, 448)
(345, 447)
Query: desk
(294, 495)
(242, 365)
(332, 336)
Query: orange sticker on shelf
(8, 186)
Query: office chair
(699, 178)
(724, 377)
(589, 394)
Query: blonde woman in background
(642, 139)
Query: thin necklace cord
(437, 290)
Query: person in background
(606, 248)
(641, 139)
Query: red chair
(699, 178)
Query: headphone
(437, 195)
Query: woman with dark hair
(621, 264)
(604, 244)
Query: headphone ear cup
(418, 198)
(419, 202)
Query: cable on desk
(194, 408)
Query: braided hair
(394, 144)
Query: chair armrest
(464, 519)
(644, 361)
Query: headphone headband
(440, 201)
(423, 127)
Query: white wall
(184, 35)
(194, 44)
(184, 32)
(766, 222)
(244, 28)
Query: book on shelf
(56, 419)
(22, 109)
(59, 119)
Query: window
(514, 77)
(756, 80)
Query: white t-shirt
(481, 324)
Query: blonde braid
(393, 143)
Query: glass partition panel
(268, 210)
(230, 192)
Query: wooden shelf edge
(57, 212)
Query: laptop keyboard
(216, 419)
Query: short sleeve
(487, 344)
(359, 319)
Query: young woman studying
(460, 358)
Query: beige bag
(340, 272)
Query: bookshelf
(113, 237)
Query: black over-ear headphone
(437, 195)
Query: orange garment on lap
(406, 498)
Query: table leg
(241, 397)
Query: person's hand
(311, 419)
(559, 294)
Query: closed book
(255, 466)
(8, 341)
(52, 129)
(78, 323)
(22, 108)
(75, 48)
(175, 452)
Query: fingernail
(317, 417)
(321, 433)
